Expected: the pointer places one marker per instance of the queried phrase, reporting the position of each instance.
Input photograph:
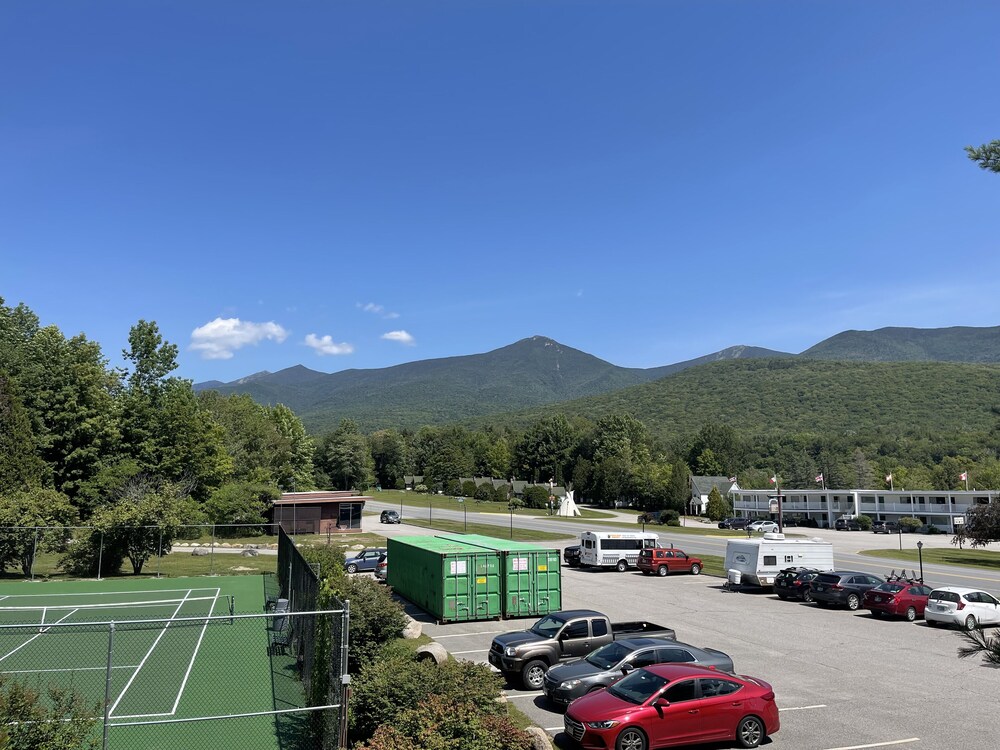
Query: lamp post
(920, 557)
(511, 506)
(465, 508)
(430, 511)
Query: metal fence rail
(198, 683)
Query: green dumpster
(531, 574)
(451, 580)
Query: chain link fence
(261, 681)
(43, 551)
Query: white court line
(464, 635)
(7, 597)
(78, 669)
(141, 663)
(180, 692)
(108, 593)
(878, 744)
(803, 708)
(40, 634)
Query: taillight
(961, 603)
(768, 696)
(836, 587)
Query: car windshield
(607, 656)
(890, 587)
(638, 687)
(547, 626)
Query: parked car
(734, 523)
(966, 608)
(389, 516)
(663, 561)
(793, 583)
(847, 524)
(365, 559)
(789, 521)
(897, 599)
(571, 555)
(842, 588)
(674, 704)
(763, 526)
(565, 683)
(885, 527)
(382, 568)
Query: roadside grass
(420, 501)
(178, 564)
(498, 532)
(972, 558)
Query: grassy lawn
(421, 502)
(500, 532)
(972, 558)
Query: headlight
(510, 651)
(602, 724)
(569, 684)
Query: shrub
(376, 618)
(420, 488)
(453, 488)
(438, 723)
(536, 496)
(865, 522)
(909, 524)
(61, 722)
(484, 492)
(385, 689)
(669, 518)
(329, 559)
(468, 488)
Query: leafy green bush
(438, 723)
(420, 488)
(61, 722)
(376, 618)
(329, 559)
(536, 497)
(669, 518)
(468, 488)
(484, 492)
(865, 522)
(385, 689)
(909, 524)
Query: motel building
(931, 507)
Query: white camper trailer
(760, 560)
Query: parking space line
(878, 744)
(465, 635)
(802, 708)
(554, 729)
(530, 694)
(473, 651)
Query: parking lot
(843, 680)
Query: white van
(619, 549)
(760, 560)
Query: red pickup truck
(670, 560)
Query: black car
(842, 588)
(608, 664)
(389, 516)
(571, 556)
(847, 524)
(734, 523)
(793, 583)
(885, 527)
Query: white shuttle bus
(615, 549)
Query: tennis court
(170, 661)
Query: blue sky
(360, 184)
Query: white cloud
(222, 336)
(376, 309)
(401, 336)
(324, 345)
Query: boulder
(539, 740)
(199, 551)
(412, 629)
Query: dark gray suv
(608, 664)
(842, 588)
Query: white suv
(966, 608)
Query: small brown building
(319, 512)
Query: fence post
(211, 565)
(100, 557)
(34, 552)
(159, 553)
(345, 678)
(107, 684)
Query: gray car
(608, 664)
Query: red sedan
(667, 705)
(897, 599)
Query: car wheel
(662, 571)
(853, 602)
(533, 675)
(970, 623)
(750, 732)
(631, 738)
(911, 614)
(695, 569)
(622, 566)
(352, 568)
(807, 596)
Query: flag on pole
(888, 477)
(819, 478)
(774, 479)
(732, 479)
(964, 476)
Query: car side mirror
(661, 703)
(627, 667)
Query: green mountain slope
(780, 396)
(957, 344)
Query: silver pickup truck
(524, 656)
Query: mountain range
(536, 372)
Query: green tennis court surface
(175, 654)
